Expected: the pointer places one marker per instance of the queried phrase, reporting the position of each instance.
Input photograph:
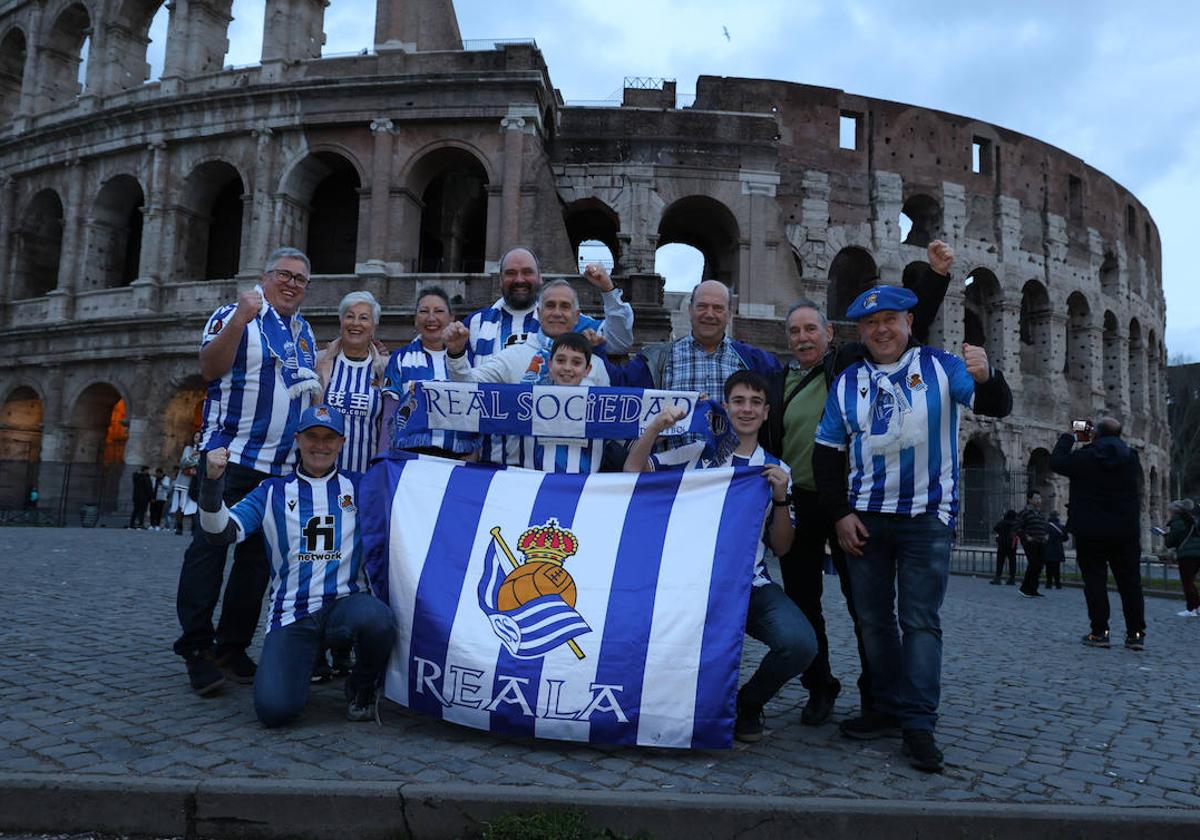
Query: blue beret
(879, 299)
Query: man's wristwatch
(784, 502)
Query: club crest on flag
(531, 607)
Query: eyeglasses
(289, 276)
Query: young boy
(773, 618)
(570, 363)
(319, 593)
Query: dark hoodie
(1104, 478)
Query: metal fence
(1158, 575)
(67, 492)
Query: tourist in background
(1056, 537)
(1006, 547)
(1183, 536)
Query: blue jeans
(776, 621)
(360, 620)
(906, 563)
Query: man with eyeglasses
(258, 356)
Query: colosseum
(129, 209)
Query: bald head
(520, 278)
(709, 311)
(1108, 427)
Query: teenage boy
(773, 618)
(319, 593)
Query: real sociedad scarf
(296, 359)
(563, 412)
(891, 427)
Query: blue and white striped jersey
(313, 546)
(248, 410)
(413, 363)
(900, 422)
(558, 455)
(496, 327)
(353, 391)
(688, 457)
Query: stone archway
(851, 273)
(20, 445)
(985, 488)
(708, 226)
(99, 430)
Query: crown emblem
(323, 413)
(871, 301)
(547, 543)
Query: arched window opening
(1137, 368)
(1110, 276)
(454, 215)
(1077, 363)
(924, 217)
(851, 273)
(20, 445)
(681, 266)
(708, 226)
(114, 247)
(100, 427)
(1034, 328)
(986, 488)
(12, 74)
(213, 224)
(181, 419)
(156, 46)
(593, 224)
(1112, 358)
(1152, 374)
(65, 63)
(983, 314)
(38, 240)
(1037, 477)
(323, 211)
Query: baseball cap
(881, 299)
(323, 416)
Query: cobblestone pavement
(90, 687)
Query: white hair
(558, 284)
(360, 297)
(286, 254)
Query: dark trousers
(1124, 557)
(1006, 553)
(137, 519)
(1035, 555)
(1054, 574)
(803, 570)
(1188, 566)
(156, 512)
(200, 582)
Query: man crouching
(319, 594)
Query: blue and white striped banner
(606, 608)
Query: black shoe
(995, 581)
(203, 673)
(870, 725)
(342, 661)
(238, 666)
(922, 750)
(1011, 582)
(321, 672)
(1021, 591)
(362, 704)
(1099, 640)
(748, 727)
(1135, 641)
(820, 704)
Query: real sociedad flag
(607, 608)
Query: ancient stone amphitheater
(130, 209)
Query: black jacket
(930, 289)
(1104, 475)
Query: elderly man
(1104, 515)
(514, 318)
(258, 356)
(797, 400)
(897, 412)
(558, 313)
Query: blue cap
(323, 416)
(880, 299)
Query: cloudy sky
(1114, 83)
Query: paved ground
(91, 689)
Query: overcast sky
(1113, 83)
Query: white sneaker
(1189, 613)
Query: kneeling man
(319, 593)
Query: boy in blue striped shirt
(895, 414)
(319, 595)
(773, 618)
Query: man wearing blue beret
(896, 414)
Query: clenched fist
(977, 362)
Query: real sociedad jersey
(353, 391)
(496, 327)
(689, 457)
(558, 455)
(414, 363)
(313, 546)
(902, 434)
(248, 410)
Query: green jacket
(1186, 545)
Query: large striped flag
(604, 608)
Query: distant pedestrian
(1031, 528)
(143, 492)
(1006, 547)
(1184, 537)
(158, 501)
(31, 499)
(1105, 519)
(1056, 536)
(183, 501)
